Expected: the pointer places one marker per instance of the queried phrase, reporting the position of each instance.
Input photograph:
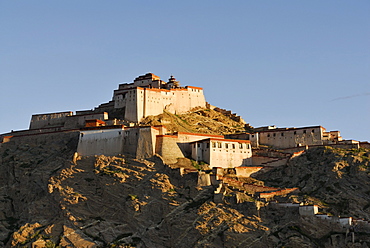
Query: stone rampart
(167, 148)
(101, 142)
(146, 142)
(49, 120)
(34, 131)
(71, 137)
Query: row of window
(228, 151)
(295, 132)
(226, 145)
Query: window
(313, 130)
(274, 134)
(226, 145)
(219, 145)
(233, 146)
(214, 144)
(268, 135)
(198, 144)
(282, 134)
(295, 132)
(207, 145)
(240, 146)
(304, 131)
(252, 135)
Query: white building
(101, 141)
(295, 137)
(148, 95)
(225, 153)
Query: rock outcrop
(199, 120)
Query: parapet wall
(63, 120)
(49, 120)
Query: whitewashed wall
(98, 142)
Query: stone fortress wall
(100, 142)
(64, 120)
(49, 120)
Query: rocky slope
(47, 199)
(336, 179)
(198, 121)
(50, 198)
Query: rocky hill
(49, 197)
(338, 180)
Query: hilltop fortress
(149, 95)
(112, 128)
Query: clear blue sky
(284, 63)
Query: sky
(284, 63)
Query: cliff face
(50, 198)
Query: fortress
(205, 167)
(112, 128)
(149, 95)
